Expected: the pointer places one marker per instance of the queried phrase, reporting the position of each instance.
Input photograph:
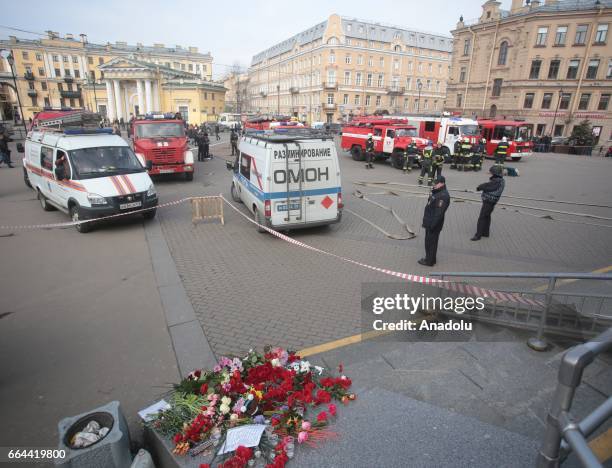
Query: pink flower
(217, 368)
(306, 425)
(332, 409)
(302, 437)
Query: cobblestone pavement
(250, 289)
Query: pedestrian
(116, 129)
(199, 138)
(501, 151)
(426, 166)
(5, 153)
(433, 220)
(217, 132)
(122, 123)
(234, 142)
(369, 147)
(410, 154)
(207, 154)
(491, 193)
(437, 161)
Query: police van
(86, 173)
(288, 178)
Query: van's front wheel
(83, 228)
(26, 178)
(259, 220)
(235, 195)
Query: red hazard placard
(327, 202)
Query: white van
(87, 174)
(288, 179)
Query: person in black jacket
(433, 219)
(5, 153)
(369, 148)
(491, 193)
(234, 142)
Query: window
(44, 85)
(503, 53)
(100, 60)
(369, 80)
(368, 100)
(420, 67)
(57, 72)
(347, 78)
(429, 68)
(534, 72)
(397, 48)
(564, 100)
(462, 75)
(558, 131)
(358, 79)
(528, 104)
(245, 166)
(332, 41)
(581, 32)
(25, 55)
(360, 60)
(601, 34)
(357, 99)
(370, 61)
(65, 58)
(467, 44)
(67, 73)
(425, 104)
(330, 98)
(409, 66)
(47, 102)
(39, 57)
(547, 100)
(406, 103)
(345, 99)
(540, 129)
(332, 57)
(55, 58)
(591, 73)
(560, 35)
(497, 85)
(77, 74)
(377, 101)
(553, 70)
(381, 61)
(381, 80)
(572, 69)
(75, 59)
(428, 86)
(408, 83)
(604, 100)
(609, 72)
(46, 158)
(583, 104)
(347, 59)
(459, 99)
(541, 36)
(396, 65)
(331, 77)
(41, 71)
(30, 85)
(90, 60)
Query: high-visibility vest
(502, 148)
(427, 153)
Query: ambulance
(87, 174)
(288, 178)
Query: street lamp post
(11, 60)
(419, 86)
(552, 128)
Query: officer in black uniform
(491, 193)
(478, 154)
(501, 152)
(426, 166)
(456, 154)
(201, 146)
(433, 220)
(207, 154)
(234, 142)
(410, 154)
(465, 155)
(437, 161)
(369, 151)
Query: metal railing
(563, 313)
(563, 435)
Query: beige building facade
(347, 67)
(237, 96)
(549, 63)
(117, 80)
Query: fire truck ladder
(84, 119)
(300, 182)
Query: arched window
(332, 41)
(493, 111)
(397, 48)
(503, 53)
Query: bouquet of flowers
(291, 397)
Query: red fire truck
(517, 132)
(160, 139)
(391, 137)
(49, 114)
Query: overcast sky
(233, 31)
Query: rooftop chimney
(69, 37)
(83, 38)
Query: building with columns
(114, 79)
(344, 67)
(549, 63)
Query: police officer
(426, 166)
(369, 152)
(437, 161)
(234, 142)
(466, 150)
(201, 146)
(456, 154)
(491, 193)
(501, 152)
(217, 132)
(433, 220)
(410, 154)
(207, 154)
(478, 154)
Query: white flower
(243, 409)
(226, 400)
(233, 417)
(275, 362)
(224, 408)
(296, 366)
(343, 377)
(319, 369)
(304, 366)
(250, 396)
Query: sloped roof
(111, 64)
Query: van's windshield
(102, 161)
(160, 130)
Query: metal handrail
(561, 426)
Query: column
(110, 101)
(61, 65)
(82, 67)
(156, 105)
(148, 95)
(126, 94)
(118, 101)
(51, 66)
(141, 106)
(71, 66)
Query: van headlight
(95, 199)
(151, 192)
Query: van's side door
(389, 140)
(62, 189)
(244, 175)
(48, 187)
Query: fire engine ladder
(75, 119)
(300, 182)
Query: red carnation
(332, 409)
(204, 465)
(244, 453)
(322, 416)
(323, 397)
(197, 373)
(204, 389)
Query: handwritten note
(150, 412)
(248, 435)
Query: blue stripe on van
(280, 195)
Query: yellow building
(117, 80)
(344, 67)
(549, 63)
